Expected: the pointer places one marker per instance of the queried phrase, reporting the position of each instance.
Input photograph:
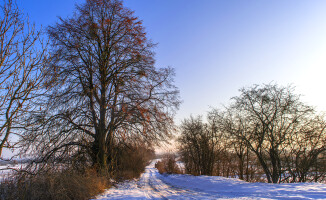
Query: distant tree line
(265, 134)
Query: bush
(168, 165)
(67, 184)
(132, 160)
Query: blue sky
(218, 46)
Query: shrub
(168, 165)
(132, 160)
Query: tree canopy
(105, 88)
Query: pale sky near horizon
(218, 47)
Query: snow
(7, 167)
(153, 185)
(5, 170)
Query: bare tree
(22, 57)
(197, 146)
(231, 145)
(264, 117)
(304, 157)
(269, 125)
(105, 86)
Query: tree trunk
(103, 157)
(100, 153)
(265, 167)
(275, 165)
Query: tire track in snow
(149, 189)
(166, 191)
(151, 186)
(172, 192)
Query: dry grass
(77, 183)
(54, 186)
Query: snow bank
(235, 188)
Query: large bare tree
(105, 87)
(265, 118)
(22, 58)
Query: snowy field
(6, 167)
(153, 185)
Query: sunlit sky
(218, 46)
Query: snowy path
(153, 185)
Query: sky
(218, 47)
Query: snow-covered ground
(6, 167)
(5, 171)
(153, 185)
